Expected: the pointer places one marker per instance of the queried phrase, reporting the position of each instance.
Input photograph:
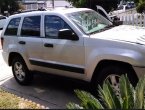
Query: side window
(31, 26)
(52, 26)
(12, 27)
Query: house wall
(36, 4)
(58, 3)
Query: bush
(141, 8)
(130, 97)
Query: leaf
(88, 101)
(139, 96)
(126, 92)
(73, 106)
(108, 96)
(144, 105)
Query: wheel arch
(22, 75)
(13, 55)
(104, 63)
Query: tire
(113, 73)
(20, 71)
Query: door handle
(48, 45)
(22, 42)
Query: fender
(128, 56)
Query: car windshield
(89, 21)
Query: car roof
(56, 11)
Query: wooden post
(53, 3)
(144, 20)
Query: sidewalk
(5, 71)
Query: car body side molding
(58, 66)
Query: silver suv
(76, 42)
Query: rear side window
(31, 26)
(13, 26)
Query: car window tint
(12, 27)
(52, 26)
(31, 26)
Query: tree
(9, 5)
(78, 3)
(140, 6)
(106, 4)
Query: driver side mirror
(67, 34)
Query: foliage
(141, 6)
(106, 4)
(9, 5)
(78, 3)
(129, 98)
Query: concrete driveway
(50, 91)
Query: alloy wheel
(18, 71)
(114, 81)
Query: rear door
(30, 41)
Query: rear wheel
(20, 71)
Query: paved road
(50, 91)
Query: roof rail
(25, 11)
(51, 8)
(42, 9)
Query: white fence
(133, 19)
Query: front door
(61, 56)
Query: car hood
(126, 33)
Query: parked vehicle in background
(73, 42)
(2, 21)
(130, 4)
(113, 18)
(103, 12)
(119, 10)
(123, 7)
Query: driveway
(50, 91)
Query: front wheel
(21, 72)
(112, 73)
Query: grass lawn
(10, 101)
